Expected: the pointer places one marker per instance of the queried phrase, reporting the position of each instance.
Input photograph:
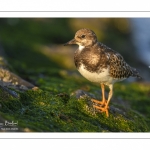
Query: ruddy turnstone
(100, 64)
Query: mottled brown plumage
(118, 67)
(99, 63)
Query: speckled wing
(119, 68)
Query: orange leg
(103, 102)
(105, 107)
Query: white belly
(102, 77)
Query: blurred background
(22, 38)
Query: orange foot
(101, 103)
(102, 109)
(101, 106)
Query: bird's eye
(83, 36)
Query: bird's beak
(73, 41)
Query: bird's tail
(135, 73)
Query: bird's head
(83, 38)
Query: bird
(100, 64)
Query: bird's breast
(93, 60)
(102, 76)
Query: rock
(9, 79)
(6, 93)
(80, 93)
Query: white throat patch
(81, 47)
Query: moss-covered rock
(58, 112)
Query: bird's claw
(99, 103)
(102, 109)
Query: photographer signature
(7, 123)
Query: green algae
(46, 111)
